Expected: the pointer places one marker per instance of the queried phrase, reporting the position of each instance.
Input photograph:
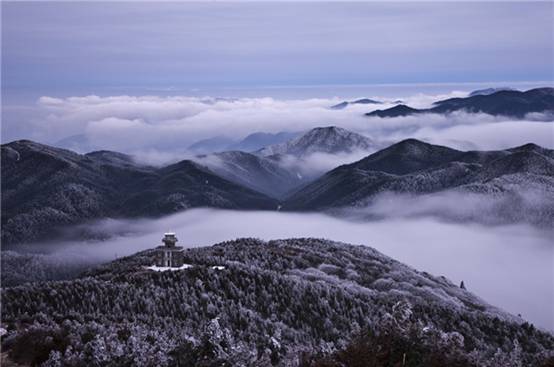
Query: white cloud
(532, 204)
(318, 163)
(168, 125)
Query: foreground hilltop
(250, 302)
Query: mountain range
(247, 302)
(510, 103)
(44, 187)
(250, 143)
(416, 168)
(276, 170)
(262, 174)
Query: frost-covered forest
(289, 302)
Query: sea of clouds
(160, 129)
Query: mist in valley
(509, 266)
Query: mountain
(210, 145)
(253, 303)
(257, 173)
(396, 111)
(505, 103)
(416, 168)
(510, 103)
(44, 187)
(277, 169)
(259, 140)
(487, 91)
(406, 156)
(345, 104)
(331, 140)
(340, 106)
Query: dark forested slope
(511, 103)
(44, 187)
(415, 168)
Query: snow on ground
(168, 268)
(184, 266)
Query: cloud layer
(166, 126)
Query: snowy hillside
(255, 172)
(516, 178)
(330, 139)
(283, 302)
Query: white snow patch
(184, 266)
(167, 268)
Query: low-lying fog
(508, 266)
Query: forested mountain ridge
(44, 187)
(258, 173)
(416, 168)
(270, 303)
(511, 103)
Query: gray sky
(63, 49)
(300, 51)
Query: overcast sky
(56, 53)
(62, 49)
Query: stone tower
(169, 255)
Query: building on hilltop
(169, 255)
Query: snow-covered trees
(273, 302)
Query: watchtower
(170, 255)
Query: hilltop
(250, 302)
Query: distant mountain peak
(327, 130)
(396, 111)
(488, 91)
(410, 144)
(340, 106)
(328, 139)
(406, 156)
(527, 147)
(365, 101)
(344, 104)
